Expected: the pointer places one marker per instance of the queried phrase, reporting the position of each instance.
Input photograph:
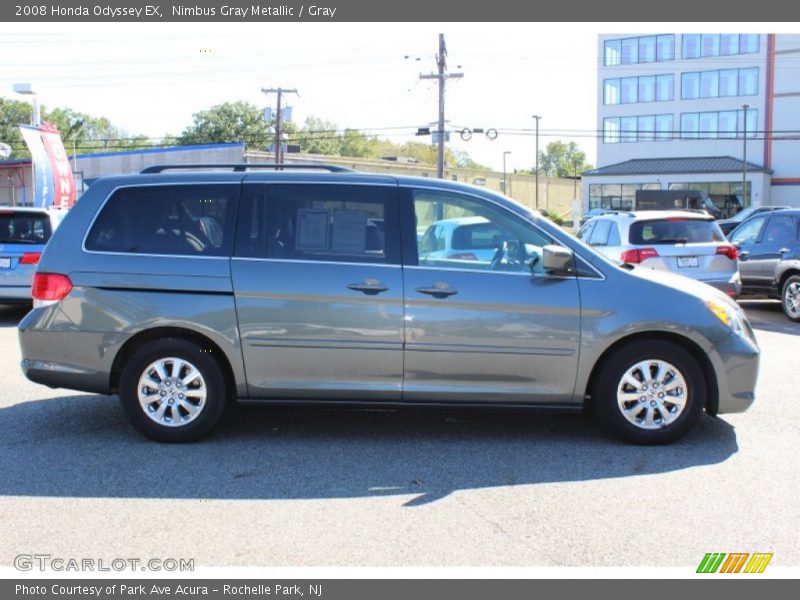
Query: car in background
(769, 257)
(24, 232)
(683, 242)
(728, 225)
(594, 212)
(461, 239)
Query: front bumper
(735, 360)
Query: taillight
(463, 256)
(50, 287)
(729, 251)
(30, 258)
(634, 257)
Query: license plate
(686, 262)
(5, 263)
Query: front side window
(319, 222)
(747, 233)
(189, 220)
(601, 233)
(479, 236)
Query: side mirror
(557, 260)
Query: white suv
(684, 242)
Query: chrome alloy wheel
(791, 299)
(652, 394)
(172, 392)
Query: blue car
(24, 232)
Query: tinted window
(675, 231)
(747, 232)
(339, 223)
(599, 236)
(780, 229)
(169, 219)
(18, 227)
(482, 236)
(586, 230)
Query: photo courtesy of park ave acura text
(283, 287)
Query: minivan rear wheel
(790, 298)
(649, 392)
(172, 391)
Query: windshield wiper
(671, 241)
(19, 242)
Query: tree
(559, 160)
(231, 122)
(318, 136)
(80, 131)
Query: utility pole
(442, 76)
(278, 118)
(537, 117)
(744, 156)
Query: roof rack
(246, 166)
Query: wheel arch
(133, 344)
(712, 392)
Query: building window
(715, 84)
(611, 130)
(691, 45)
(613, 50)
(713, 124)
(725, 195)
(628, 87)
(644, 128)
(705, 45)
(664, 128)
(616, 196)
(710, 44)
(630, 90)
(611, 91)
(646, 49)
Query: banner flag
(55, 184)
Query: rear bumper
(735, 362)
(730, 286)
(15, 293)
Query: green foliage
(229, 122)
(561, 159)
(79, 131)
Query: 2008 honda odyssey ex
(180, 290)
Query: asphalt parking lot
(280, 486)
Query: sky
(151, 78)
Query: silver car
(313, 289)
(688, 243)
(24, 232)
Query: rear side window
(171, 219)
(320, 222)
(18, 227)
(675, 231)
(605, 233)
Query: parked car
(594, 212)
(769, 257)
(24, 232)
(297, 304)
(463, 238)
(687, 243)
(728, 225)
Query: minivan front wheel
(172, 390)
(649, 392)
(790, 297)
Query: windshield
(675, 231)
(743, 214)
(18, 227)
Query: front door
(779, 235)
(484, 323)
(319, 290)
(746, 238)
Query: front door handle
(369, 287)
(783, 250)
(744, 253)
(438, 290)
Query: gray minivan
(182, 291)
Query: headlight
(729, 315)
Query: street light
(537, 117)
(27, 90)
(505, 153)
(744, 156)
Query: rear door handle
(744, 253)
(783, 250)
(369, 287)
(438, 290)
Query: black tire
(604, 393)
(791, 282)
(210, 371)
